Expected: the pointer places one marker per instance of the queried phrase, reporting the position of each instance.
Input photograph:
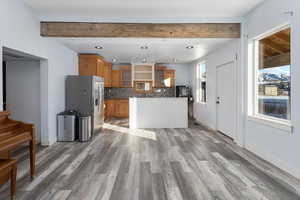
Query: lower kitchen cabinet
(122, 108)
(118, 108)
(109, 108)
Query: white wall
(23, 92)
(277, 146)
(206, 113)
(182, 75)
(20, 30)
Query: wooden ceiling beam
(141, 30)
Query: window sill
(285, 126)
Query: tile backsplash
(124, 93)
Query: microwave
(183, 91)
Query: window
(273, 75)
(201, 82)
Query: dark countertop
(125, 93)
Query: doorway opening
(22, 95)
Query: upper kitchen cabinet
(142, 73)
(164, 77)
(126, 78)
(159, 76)
(107, 74)
(169, 78)
(89, 65)
(116, 78)
(121, 77)
(94, 65)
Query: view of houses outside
(203, 81)
(274, 92)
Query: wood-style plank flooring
(161, 164)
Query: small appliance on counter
(184, 91)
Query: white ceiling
(141, 10)
(127, 50)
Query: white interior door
(226, 99)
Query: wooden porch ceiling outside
(141, 30)
(275, 49)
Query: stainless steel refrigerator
(85, 94)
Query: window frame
(254, 114)
(199, 83)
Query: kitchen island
(169, 112)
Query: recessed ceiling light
(144, 47)
(98, 47)
(114, 60)
(190, 47)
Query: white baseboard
(278, 163)
(205, 125)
